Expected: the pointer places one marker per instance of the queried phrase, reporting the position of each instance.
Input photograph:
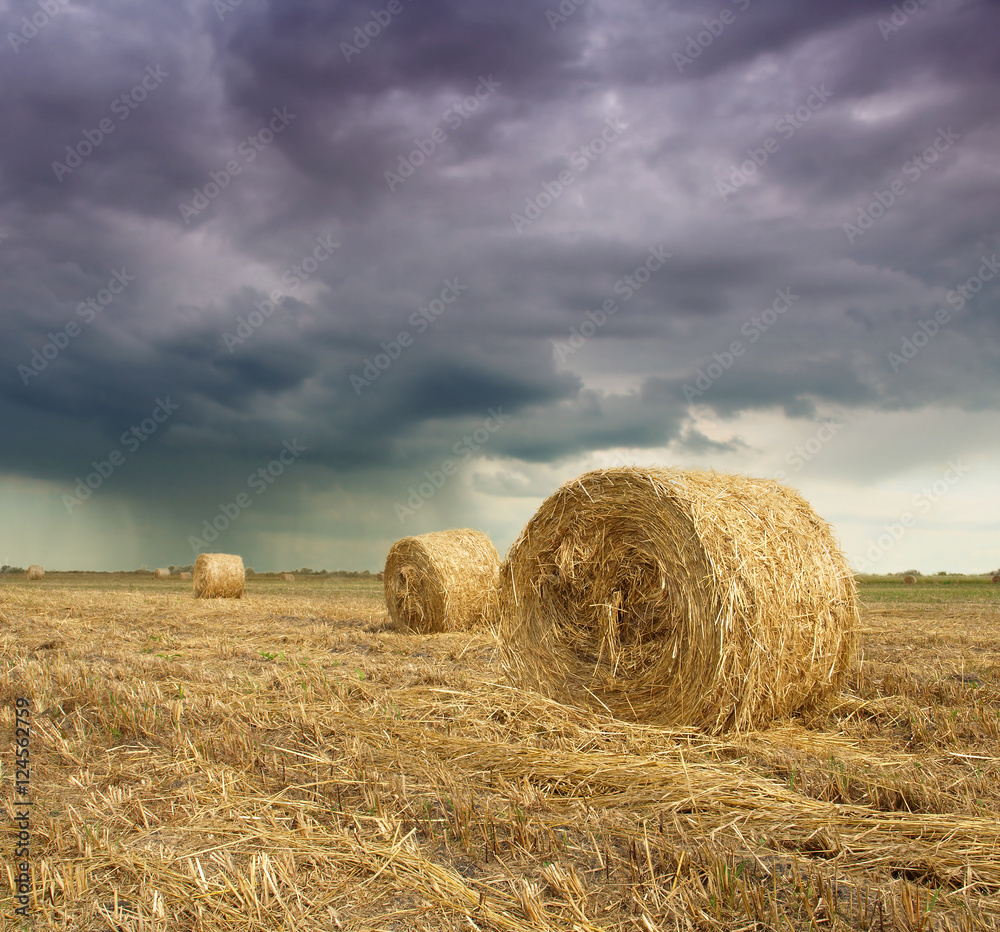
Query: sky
(296, 279)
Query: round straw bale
(686, 598)
(161, 573)
(218, 576)
(996, 579)
(288, 577)
(34, 572)
(909, 580)
(185, 575)
(440, 581)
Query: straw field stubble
(292, 759)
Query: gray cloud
(323, 173)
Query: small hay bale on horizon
(161, 573)
(185, 575)
(996, 579)
(440, 581)
(34, 572)
(683, 598)
(219, 576)
(288, 577)
(909, 580)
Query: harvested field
(289, 761)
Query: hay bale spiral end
(677, 597)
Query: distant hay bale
(184, 575)
(288, 577)
(34, 572)
(996, 579)
(161, 574)
(693, 599)
(909, 580)
(218, 576)
(440, 581)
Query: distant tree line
(306, 571)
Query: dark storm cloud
(591, 421)
(312, 50)
(273, 138)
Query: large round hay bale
(218, 576)
(686, 598)
(185, 575)
(440, 581)
(161, 573)
(996, 579)
(909, 580)
(34, 572)
(288, 577)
